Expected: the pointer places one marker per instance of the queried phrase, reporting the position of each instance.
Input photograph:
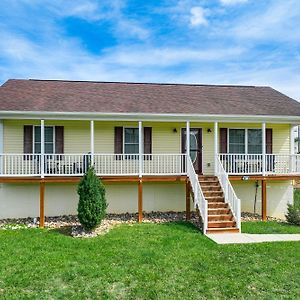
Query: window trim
(246, 139)
(33, 138)
(129, 127)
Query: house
(157, 147)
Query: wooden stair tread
(223, 230)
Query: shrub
(293, 213)
(92, 202)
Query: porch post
(42, 204)
(1, 146)
(264, 200)
(216, 146)
(92, 142)
(292, 149)
(140, 149)
(42, 148)
(264, 149)
(187, 151)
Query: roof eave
(147, 117)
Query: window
(131, 140)
(254, 141)
(49, 139)
(247, 141)
(237, 141)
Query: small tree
(92, 202)
(293, 214)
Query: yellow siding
(164, 139)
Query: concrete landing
(248, 238)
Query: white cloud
(232, 2)
(198, 16)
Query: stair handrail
(229, 193)
(199, 199)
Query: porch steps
(220, 217)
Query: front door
(195, 147)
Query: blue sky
(252, 42)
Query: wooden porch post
(42, 204)
(188, 200)
(264, 200)
(140, 201)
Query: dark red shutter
(269, 141)
(59, 139)
(118, 140)
(28, 139)
(223, 140)
(147, 140)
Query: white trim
(216, 145)
(92, 135)
(1, 136)
(187, 136)
(140, 149)
(263, 136)
(148, 117)
(42, 148)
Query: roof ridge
(147, 83)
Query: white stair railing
(199, 199)
(229, 193)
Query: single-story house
(157, 147)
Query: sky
(240, 42)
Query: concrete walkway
(248, 238)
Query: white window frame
(246, 139)
(129, 127)
(33, 137)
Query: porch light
(175, 130)
(246, 178)
(209, 130)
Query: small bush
(293, 213)
(92, 202)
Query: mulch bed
(71, 222)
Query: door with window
(195, 147)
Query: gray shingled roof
(116, 97)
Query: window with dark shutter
(223, 140)
(148, 142)
(59, 139)
(269, 140)
(118, 141)
(28, 141)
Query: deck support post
(92, 142)
(216, 147)
(140, 201)
(264, 200)
(42, 148)
(264, 149)
(187, 200)
(42, 204)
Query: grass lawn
(147, 261)
(269, 227)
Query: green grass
(269, 227)
(297, 197)
(147, 261)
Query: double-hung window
(245, 141)
(131, 140)
(49, 139)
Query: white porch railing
(104, 164)
(229, 193)
(199, 199)
(249, 164)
